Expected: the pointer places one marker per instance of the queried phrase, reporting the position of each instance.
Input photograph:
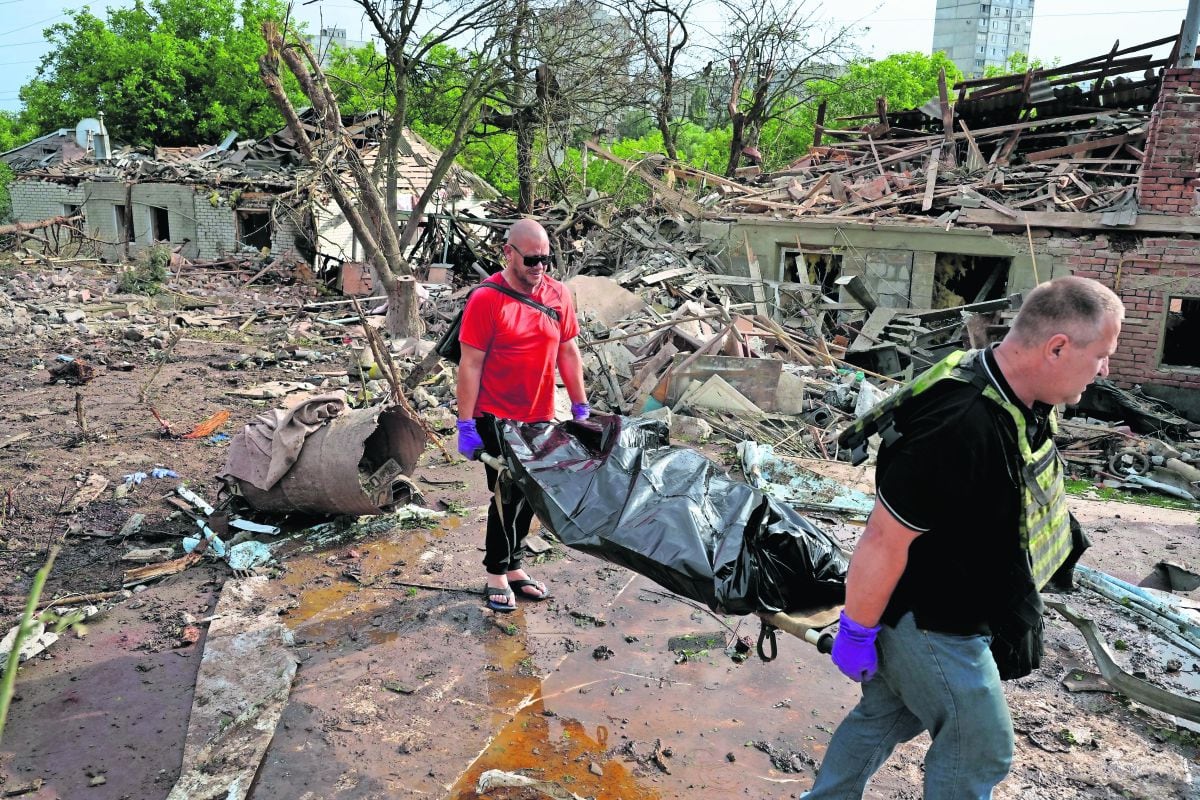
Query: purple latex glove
(580, 411)
(469, 443)
(854, 649)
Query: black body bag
(616, 488)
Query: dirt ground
(407, 686)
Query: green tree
(1018, 62)
(16, 130)
(167, 72)
(907, 80)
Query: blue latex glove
(580, 411)
(469, 443)
(854, 649)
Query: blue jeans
(942, 683)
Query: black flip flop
(488, 591)
(519, 584)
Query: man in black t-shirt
(932, 579)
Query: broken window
(1181, 332)
(121, 221)
(254, 229)
(817, 267)
(959, 280)
(160, 225)
(70, 209)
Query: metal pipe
(1171, 625)
(1187, 39)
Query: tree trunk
(525, 133)
(664, 123)
(404, 313)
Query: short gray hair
(1071, 305)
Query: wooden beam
(756, 287)
(1084, 147)
(947, 120)
(819, 128)
(992, 204)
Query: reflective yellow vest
(1045, 524)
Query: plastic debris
(215, 545)
(135, 479)
(249, 556)
(196, 500)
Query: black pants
(504, 542)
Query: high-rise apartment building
(329, 39)
(977, 34)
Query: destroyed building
(209, 203)
(1087, 168)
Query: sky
(1068, 30)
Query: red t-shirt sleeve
(569, 324)
(479, 319)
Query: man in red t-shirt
(510, 350)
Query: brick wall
(1144, 273)
(1168, 183)
(33, 201)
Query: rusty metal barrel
(334, 471)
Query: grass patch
(1085, 488)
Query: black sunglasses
(532, 261)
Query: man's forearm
(467, 388)
(570, 367)
(876, 566)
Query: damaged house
(210, 203)
(1087, 168)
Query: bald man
(510, 351)
(970, 523)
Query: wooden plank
(931, 171)
(992, 204)
(879, 164)
(666, 274)
(975, 161)
(756, 287)
(635, 390)
(1030, 123)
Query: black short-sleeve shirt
(954, 476)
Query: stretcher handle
(493, 462)
(819, 637)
